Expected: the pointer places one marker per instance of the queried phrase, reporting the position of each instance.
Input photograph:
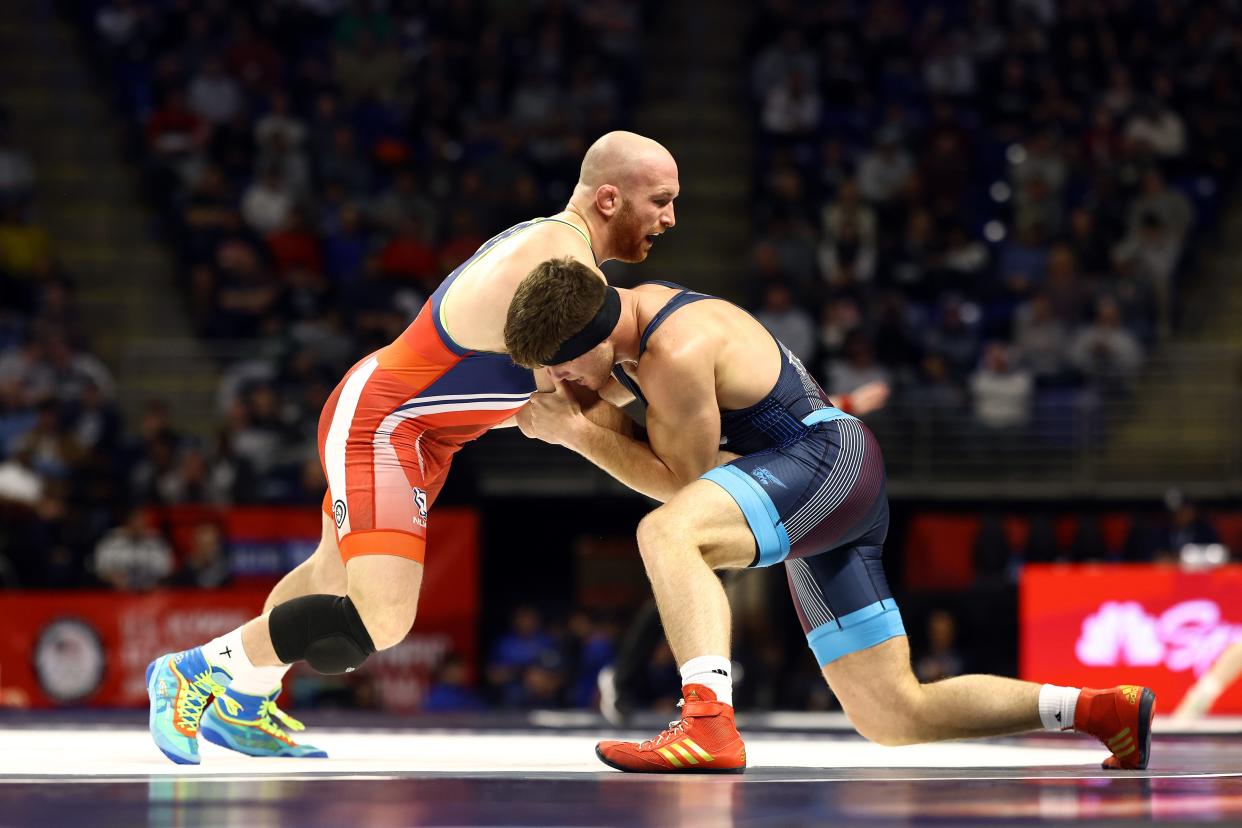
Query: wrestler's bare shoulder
(743, 355)
(475, 305)
(514, 257)
(654, 288)
(715, 321)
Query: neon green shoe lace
(194, 698)
(267, 711)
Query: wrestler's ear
(607, 200)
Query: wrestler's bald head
(623, 159)
(625, 193)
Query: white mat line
(573, 776)
(1209, 727)
(1051, 777)
(167, 777)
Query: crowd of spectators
(73, 482)
(537, 662)
(986, 203)
(61, 440)
(310, 157)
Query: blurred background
(1021, 215)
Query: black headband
(594, 332)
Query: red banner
(92, 648)
(1159, 626)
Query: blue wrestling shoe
(179, 686)
(252, 725)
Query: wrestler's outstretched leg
(887, 704)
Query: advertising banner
(91, 648)
(1155, 625)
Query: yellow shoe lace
(197, 693)
(267, 711)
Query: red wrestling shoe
(1121, 719)
(704, 740)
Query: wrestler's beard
(628, 237)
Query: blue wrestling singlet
(811, 485)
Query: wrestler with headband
(754, 467)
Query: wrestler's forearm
(606, 415)
(602, 413)
(631, 462)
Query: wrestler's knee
(652, 530)
(659, 532)
(389, 622)
(891, 720)
(879, 693)
(891, 728)
(325, 631)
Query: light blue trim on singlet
(858, 630)
(759, 510)
(826, 415)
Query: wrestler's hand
(551, 416)
(869, 397)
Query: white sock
(227, 653)
(1057, 706)
(713, 672)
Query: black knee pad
(325, 631)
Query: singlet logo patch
(796, 363)
(338, 512)
(420, 500)
(766, 477)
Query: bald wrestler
(387, 436)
